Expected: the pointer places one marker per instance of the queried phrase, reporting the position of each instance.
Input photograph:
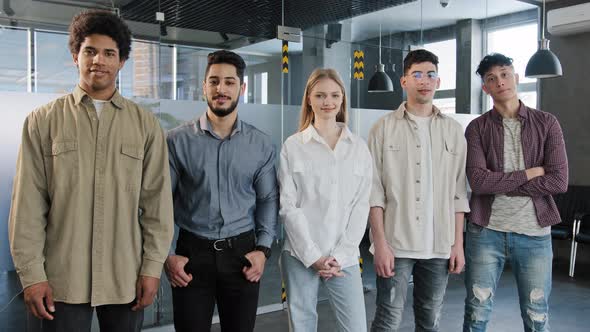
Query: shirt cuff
(377, 202)
(310, 257)
(150, 268)
(462, 205)
(264, 240)
(32, 274)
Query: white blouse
(324, 196)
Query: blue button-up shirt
(223, 187)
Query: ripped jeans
(430, 283)
(531, 260)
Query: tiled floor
(570, 304)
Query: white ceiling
(407, 18)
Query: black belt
(193, 240)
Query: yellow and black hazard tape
(283, 292)
(361, 264)
(285, 56)
(359, 65)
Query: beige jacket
(395, 147)
(79, 187)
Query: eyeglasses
(418, 75)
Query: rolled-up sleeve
(461, 200)
(267, 201)
(377, 197)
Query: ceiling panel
(253, 18)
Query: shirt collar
(402, 110)
(79, 95)
(311, 133)
(523, 112)
(205, 125)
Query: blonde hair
(306, 117)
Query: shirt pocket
(450, 147)
(353, 178)
(393, 148)
(61, 164)
(395, 160)
(131, 166)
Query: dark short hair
(419, 56)
(100, 22)
(492, 60)
(229, 57)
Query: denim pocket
(474, 228)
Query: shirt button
(417, 199)
(417, 218)
(417, 181)
(418, 146)
(415, 127)
(418, 163)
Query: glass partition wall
(167, 66)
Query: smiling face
(99, 63)
(222, 88)
(325, 99)
(421, 82)
(500, 83)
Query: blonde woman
(325, 180)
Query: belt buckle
(215, 245)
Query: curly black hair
(99, 22)
(419, 56)
(492, 60)
(229, 57)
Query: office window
(55, 71)
(446, 105)
(191, 64)
(519, 43)
(140, 77)
(261, 88)
(14, 56)
(446, 51)
(245, 96)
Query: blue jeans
(531, 259)
(345, 295)
(430, 282)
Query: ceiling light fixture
(380, 82)
(544, 63)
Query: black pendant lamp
(380, 82)
(544, 63)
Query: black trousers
(78, 318)
(217, 277)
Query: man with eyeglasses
(418, 200)
(516, 161)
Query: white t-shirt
(98, 105)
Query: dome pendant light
(544, 63)
(380, 82)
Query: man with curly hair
(91, 220)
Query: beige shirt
(396, 149)
(79, 187)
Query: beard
(222, 112)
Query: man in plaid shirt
(516, 160)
